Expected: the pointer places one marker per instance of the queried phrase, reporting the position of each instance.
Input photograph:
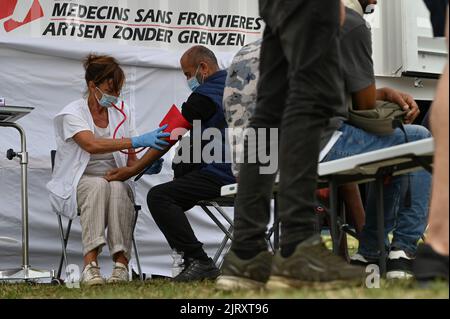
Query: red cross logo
(32, 9)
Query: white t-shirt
(71, 160)
(98, 164)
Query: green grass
(168, 290)
(160, 288)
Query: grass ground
(162, 288)
(167, 290)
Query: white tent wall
(48, 83)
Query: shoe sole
(398, 274)
(230, 283)
(91, 283)
(283, 283)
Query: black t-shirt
(357, 64)
(438, 14)
(356, 48)
(198, 107)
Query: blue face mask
(107, 100)
(193, 82)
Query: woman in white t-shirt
(86, 151)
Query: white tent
(42, 69)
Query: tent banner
(223, 25)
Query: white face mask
(370, 9)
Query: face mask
(193, 83)
(106, 100)
(370, 9)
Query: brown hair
(100, 68)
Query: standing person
(86, 151)
(299, 90)
(432, 258)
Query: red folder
(177, 124)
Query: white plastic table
(363, 168)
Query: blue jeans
(407, 223)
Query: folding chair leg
(380, 224)
(221, 247)
(225, 239)
(222, 213)
(217, 222)
(334, 203)
(64, 240)
(136, 252)
(227, 232)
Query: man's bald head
(199, 61)
(198, 54)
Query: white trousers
(102, 205)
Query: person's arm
(88, 142)
(132, 158)
(365, 99)
(197, 107)
(342, 13)
(124, 173)
(403, 100)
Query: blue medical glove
(152, 139)
(155, 168)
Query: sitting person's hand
(407, 103)
(155, 168)
(118, 174)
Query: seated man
(407, 218)
(193, 181)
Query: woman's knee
(100, 184)
(120, 189)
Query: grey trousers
(102, 205)
(299, 89)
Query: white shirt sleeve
(72, 125)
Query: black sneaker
(197, 270)
(245, 274)
(429, 265)
(310, 264)
(399, 265)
